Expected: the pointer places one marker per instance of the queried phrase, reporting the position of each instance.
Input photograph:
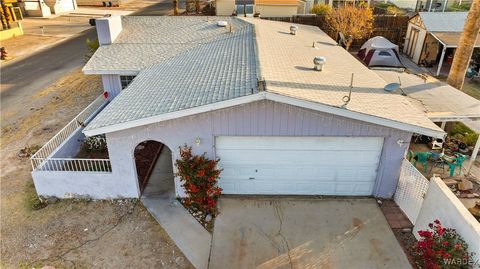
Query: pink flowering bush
(441, 247)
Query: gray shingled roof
(443, 21)
(145, 41)
(220, 66)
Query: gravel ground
(70, 233)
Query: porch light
(293, 29)
(319, 62)
(197, 141)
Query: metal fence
(411, 190)
(41, 161)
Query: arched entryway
(153, 162)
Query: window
(125, 81)
(244, 9)
(384, 53)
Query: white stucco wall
(108, 28)
(112, 85)
(224, 7)
(276, 10)
(440, 203)
(264, 118)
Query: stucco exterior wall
(112, 85)
(224, 7)
(96, 185)
(262, 118)
(276, 11)
(440, 203)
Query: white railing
(41, 161)
(73, 165)
(411, 189)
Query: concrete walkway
(159, 199)
(303, 233)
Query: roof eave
(110, 72)
(437, 133)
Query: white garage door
(298, 165)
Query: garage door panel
(297, 143)
(298, 165)
(305, 158)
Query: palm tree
(5, 13)
(464, 51)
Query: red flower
(425, 234)
(445, 243)
(201, 173)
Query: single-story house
(249, 95)
(266, 8)
(432, 37)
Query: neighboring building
(104, 3)
(45, 8)
(432, 37)
(11, 15)
(265, 8)
(247, 94)
(61, 6)
(439, 5)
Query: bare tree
(353, 22)
(464, 51)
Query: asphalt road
(23, 79)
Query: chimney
(108, 28)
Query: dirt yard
(70, 233)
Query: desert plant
(95, 143)
(464, 134)
(353, 22)
(321, 9)
(442, 248)
(199, 176)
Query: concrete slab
(159, 199)
(303, 233)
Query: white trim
(355, 115)
(277, 98)
(111, 72)
(453, 118)
(176, 114)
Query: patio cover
(440, 102)
(451, 39)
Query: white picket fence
(411, 190)
(42, 160)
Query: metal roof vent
(222, 23)
(319, 62)
(293, 29)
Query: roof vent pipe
(319, 62)
(293, 29)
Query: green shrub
(465, 134)
(459, 7)
(321, 9)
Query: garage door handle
(251, 178)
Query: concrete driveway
(284, 232)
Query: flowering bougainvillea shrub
(199, 176)
(441, 247)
